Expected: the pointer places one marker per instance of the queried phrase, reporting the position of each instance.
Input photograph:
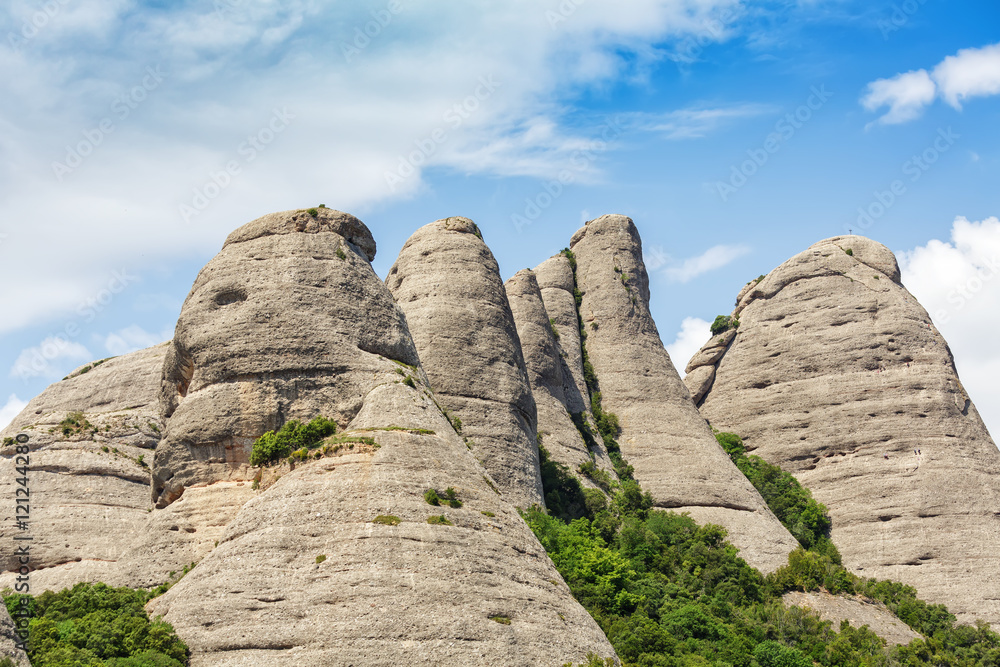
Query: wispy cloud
(10, 410)
(969, 73)
(49, 359)
(133, 338)
(686, 270)
(696, 122)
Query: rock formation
(858, 611)
(838, 375)
(551, 380)
(674, 453)
(284, 323)
(9, 641)
(340, 559)
(91, 439)
(448, 283)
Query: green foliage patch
(94, 625)
(294, 435)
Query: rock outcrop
(672, 448)
(90, 439)
(551, 380)
(284, 323)
(856, 610)
(9, 641)
(838, 375)
(341, 559)
(448, 283)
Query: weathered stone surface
(288, 321)
(549, 377)
(670, 445)
(712, 351)
(305, 576)
(448, 283)
(9, 641)
(555, 280)
(856, 610)
(838, 375)
(699, 381)
(89, 486)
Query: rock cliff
(91, 439)
(448, 283)
(551, 380)
(838, 375)
(674, 453)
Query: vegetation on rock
(294, 435)
(94, 625)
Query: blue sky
(134, 136)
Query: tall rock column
(838, 375)
(670, 445)
(284, 323)
(550, 377)
(448, 283)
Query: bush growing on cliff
(724, 323)
(98, 626)
(293, 436)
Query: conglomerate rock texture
(550, 378)
(448, 283)
(672, 448)
(9, 641)
(838, 375)
(288, 321)
(856, 610)
(88, 479)
(340, 559)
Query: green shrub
(387, 520)
(552, 326)
(320, 558)
(439, 520)
(432, 498)
(313, 212)
(294, 435)
(410, 383)
(502, 620)
(849, 252)
(340, 253)
(487, 514)
(449, 497)
(94, 624)
(724, 323)
(599, 477)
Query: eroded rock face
(672, 448)
(448, 283)
(335, 560)
(550, 378)
(309, 575)
(288, 321)
(9, 641)
(838, 375)
(857, 611)
(88, 479)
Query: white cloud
(714, 258)
(969, 73)
(133, 338)
(12, 409)
(225, 71)
(906, 95)
(696, 122)
(47, 359)
(694, 333)
(958, 282)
